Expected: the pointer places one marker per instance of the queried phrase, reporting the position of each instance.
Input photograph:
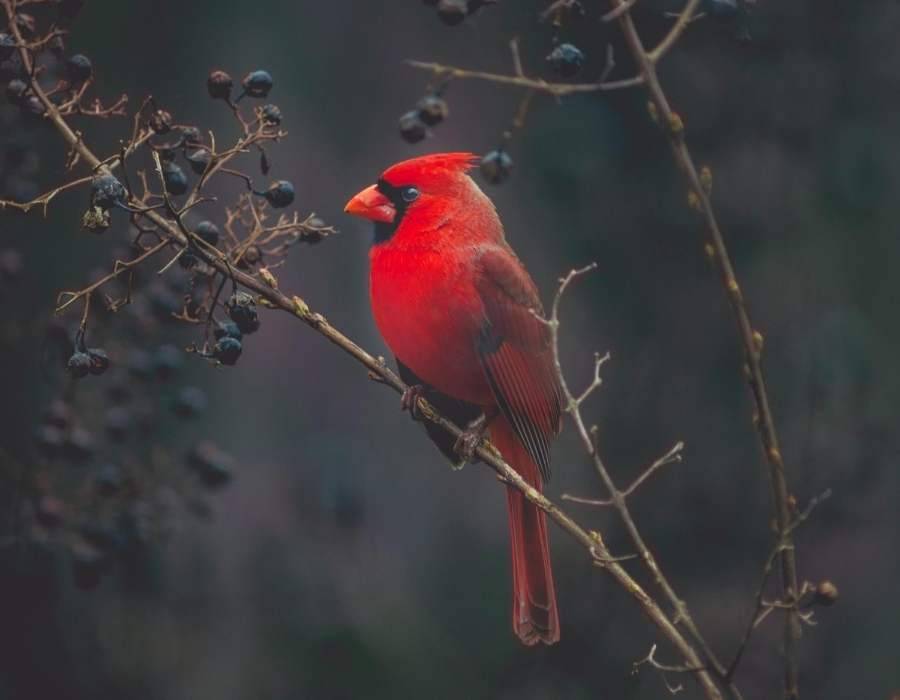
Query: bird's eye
(409, 194)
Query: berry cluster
(430, 111)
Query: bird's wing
(515, 353)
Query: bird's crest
(433, 166)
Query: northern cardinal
(457, 308)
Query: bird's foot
(409, 400)
(469, 441)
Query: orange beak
(373, 205)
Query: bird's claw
(409, 400)
(469, 441)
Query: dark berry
(7, 46)
(10, 263)
(161, 122)
(140, 364)
(199, 160)
(79, 364)
(188, 260)
(167, 361)
(452, 12)
(219, 84)
(257, 84)
(58, 414)
(106, 191)
(190, 134)
(208, 231)
(108, 480)
(49, 440)
(78, 445)
(57, 46)
(227, 329)
(566, 60)
(49, 511)
(78, 68)
(99, 360)
(496, 166)
(227, 350)
(175, 179)
(118, 423)
(721, 9)
(15, 91)
(280, 194)
(432, 109)
(211, 464)
(163, 301)
(271, 114)
(251, 257)
(412, 128)
(31, 106)
(242, 310)
(189, 402)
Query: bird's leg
(409, 400)
(470, 439)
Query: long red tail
(535, 618)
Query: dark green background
(282, 594)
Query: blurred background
(343, 559)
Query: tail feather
(535, 616)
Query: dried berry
(566, 60)
(412, 128)
(15, 91)
(280, 194)
(257, 84)
(175, 179)
(199, 160)
(242, 310)
(227, 350)
(826, 593)
(161, 122)
(106, 191)
(79, 69)
(496, 166)
(219, 84)
(227, 329)
(432, 109)
(99, 360)
(79, 364)
(208, 231)
(452, 12)
(191, 135)
(271, 114)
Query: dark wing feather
(460, 412)
(515, 353)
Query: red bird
(456, 307)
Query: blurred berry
(88, 566)
(496, 166)
(257, 84)
(78, 68)
(219, 84)
(118, 391)
(721, 9)
(49, 440)
(163, 301)
(31, 106)
(49, 511)
(108, 480)
(280, 194)
(242, 310)
(58, 414)
(566, 60)
(190, 134)
(78, 445)
(161, 122)
(208, 231)
(227, 329)
(826, 593)
(7, 46)
(271, 114)
(251, 257)
(79, 364)
(10, 263)
(15, 90)
(412, 128)
(432, 109)
(452, 12)
(99, 360)
(187, 260)
(117, 423)
(227, 350)
(175, 179)
(57, 46)
(106, 191)
(199, 160)
(167, 361)
(211, 464)
(190, 401)
(140, 365)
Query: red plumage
(456, 307)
